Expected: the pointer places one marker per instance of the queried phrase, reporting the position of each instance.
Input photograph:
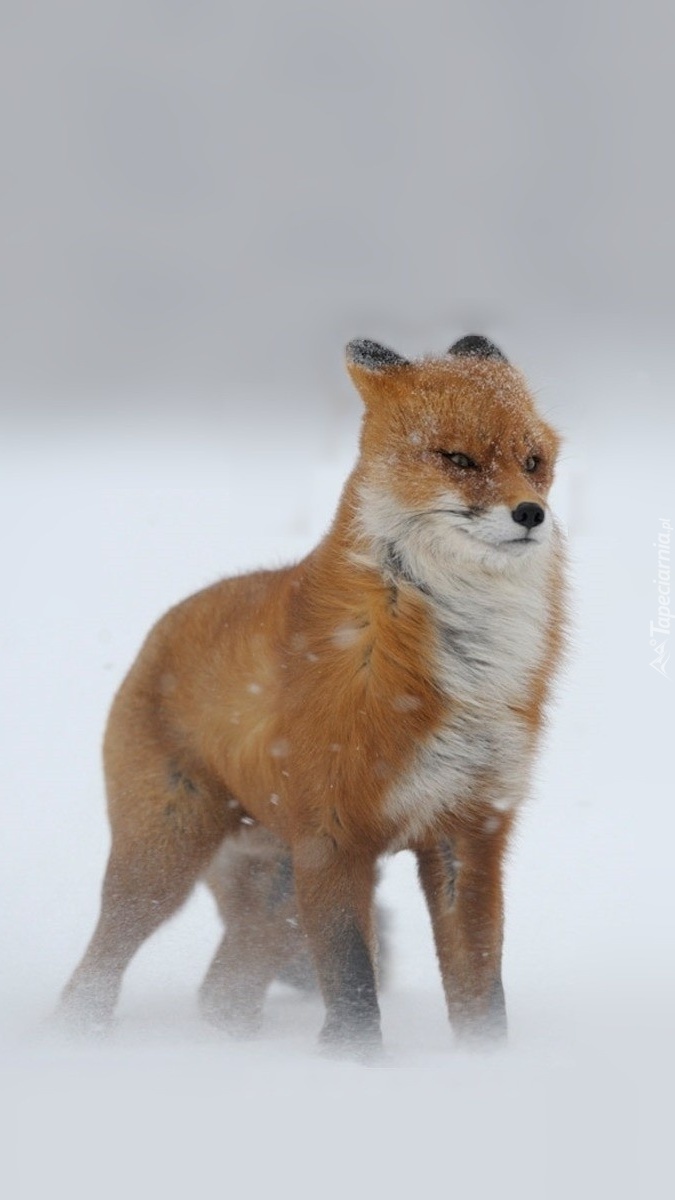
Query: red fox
(281, 731)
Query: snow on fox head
(456, 464)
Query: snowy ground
(104, 528)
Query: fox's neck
(370, 534)
(477, 628)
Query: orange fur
(294, 701)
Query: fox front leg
(335, 898)
(461, 876)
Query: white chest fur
(491, 631)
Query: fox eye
(532, 462)
(459, 460)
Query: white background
(200, 206)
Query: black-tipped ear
(361, 352)
(474, 345)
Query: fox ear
(474, 345)
(375, 370)
(371, 356)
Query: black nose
(528, 515)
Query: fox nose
(528, 515)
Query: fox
(281, 732)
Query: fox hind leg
(251, 879)
(165, 827)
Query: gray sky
(202, 196)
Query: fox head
(455, 460)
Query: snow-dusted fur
(385, 692)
